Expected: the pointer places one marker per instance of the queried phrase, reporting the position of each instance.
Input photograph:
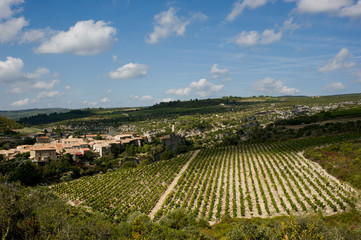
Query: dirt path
(171, 186)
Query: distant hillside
(44, 118)
(7, 124)
(16, 115)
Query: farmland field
(250, 180)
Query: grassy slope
(342, 160)
(8, 123)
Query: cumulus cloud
(105, 100)
(273, 87)
(239, 6)
(342, 8)
(334, 87)
(20, 103)
(11, 74)
(34, 35)
(268, 36)
(216, 72)
(48, 94)
(10, 26)
(130, 70)
(201, 88)
(168, 23)
(338, 62)
(11, 70)
(84, 38)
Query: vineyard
(250, 180)
(123, 191)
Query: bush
(250, 232)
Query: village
(49, 146)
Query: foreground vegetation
(36, 213)
(342, 160)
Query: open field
(251, 180)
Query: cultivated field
(251, 180)
(121, 192)
(260, 180)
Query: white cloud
(34, 35)
(8, 8)
(40, 72)
(105, 100)
(268, 36)
(351, 11)
(201, 88)
(10, 26)
(109, 91)
(11, 74)
(115, 58)
(238, 7)
(247, 38)
(143, 98)
(67, 87)
(167, 23)
(216, 72)
(45, 85)
(49, 94)
(167, 100)
(342, 8)
(84, 38)
(334, 87)
(289, 25)
(338, 61)
(128, 71)
(146, 98)
(322, 6)
(179, 91)
(274, 87)
(20, 103)
(11, 70)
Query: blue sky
(118, 53)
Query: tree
(98, 137)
